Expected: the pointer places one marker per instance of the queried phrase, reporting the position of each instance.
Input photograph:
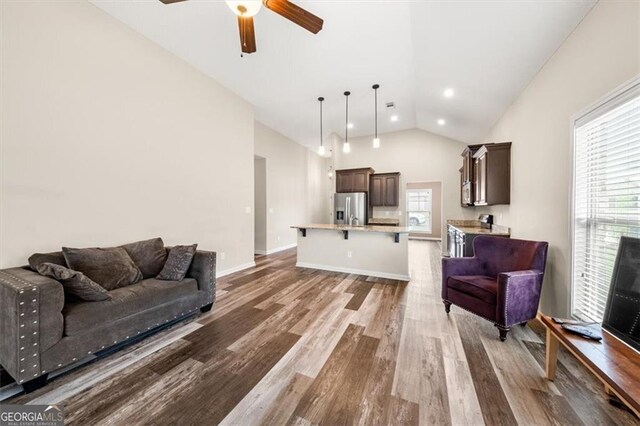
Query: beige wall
(295, 180)
(107, 138)
(260, 209)
(602, 53)
(420, 157)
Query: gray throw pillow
(37, 259)
(76, 284)
(110, 267)
(178, 263)
(148, 255)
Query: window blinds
(606, 197)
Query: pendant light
(346, 148)
(321, 149)
(376, 140)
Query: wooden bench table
(615, 364)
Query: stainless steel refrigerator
(350, 208)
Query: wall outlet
(349, 254)
(223, 255)
(247, 210)
(271, 210)
(278, 237)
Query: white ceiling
(487, 51)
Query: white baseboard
(235, 269)
(378, 274)
(275, 250)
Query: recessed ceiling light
(441, 121)
(448, 93)
(394, 118)
(350, 126)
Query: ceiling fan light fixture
(346, 147)
(244, 8)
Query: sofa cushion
(126, 301)
(148, 255)
(478, 286)
(37, 259)
(76, 284)
(110, 267)
(178, 262)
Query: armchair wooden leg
(503, 332)
(447, 306)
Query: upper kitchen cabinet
(384, 190)
(467, 177)
(492, 174)
(353, 180)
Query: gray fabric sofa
(40, 333)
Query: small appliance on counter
(350, 208)
(486, 220)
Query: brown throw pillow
(37, 259)
(76, 284)
(178, 263)
(110, 267)
(148, 255)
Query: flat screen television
(622, 314)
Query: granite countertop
(361, 228)
(473, 227)
(384, 221)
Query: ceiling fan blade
(247, 34)
(171, 1)
(295, 14)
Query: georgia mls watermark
(31, 415)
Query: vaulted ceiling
(487, 51)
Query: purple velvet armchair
(501, 283)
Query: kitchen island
(378, 251)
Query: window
(419, 204)
(606, 196)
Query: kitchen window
(606, 196)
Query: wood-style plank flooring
(285, 345)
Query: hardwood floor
(285, 345)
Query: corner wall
(297, 186)
(106, 138)
(602, 53)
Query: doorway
(424, 210)
(260, 204)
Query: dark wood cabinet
(353, 180)
(384, 190)
(492, 174)
(467, 178)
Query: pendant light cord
(321, 99)
(375, 88)
(346, 123)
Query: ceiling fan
(247, 9)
